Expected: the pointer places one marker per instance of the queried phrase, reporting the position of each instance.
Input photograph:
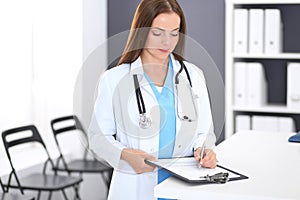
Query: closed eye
(156, 33)
(175, 34)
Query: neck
(156, 69)
(149, 60)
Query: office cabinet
(272, 40)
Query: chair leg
(64, 193)
(110, 173)
(76, 189)
(107, 179)
(39, 195)
(50, 195)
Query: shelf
(267, 109)
(291, 53)
(263, 2)
(269, 56)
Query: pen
(202, 153)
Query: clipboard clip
(218, 178)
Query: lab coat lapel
(137, 68)
(149, 137)
(185, 131)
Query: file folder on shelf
(242, 123)
(256, 31)
(293, 86)
(257, 85)
(286, 124)
(273, 31)
(240, 83)
(264, 123)
(273, 123)
(240, 31)
(186, 169)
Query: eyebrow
(165, 29)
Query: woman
(139, 112)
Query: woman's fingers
(136, 158)
(209, 160)
(197, 154)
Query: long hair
(145, 13)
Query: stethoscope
(145, 121)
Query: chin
(159, 54)
(163, 54)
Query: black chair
(6, 196)
(37, 181)
(71, 123)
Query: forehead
(168, 21)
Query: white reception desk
(268, 159)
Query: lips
(164, 50)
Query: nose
(166, 39)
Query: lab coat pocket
(132, 186)
(123, 186)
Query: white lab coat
(116, 113)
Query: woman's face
(163, 36)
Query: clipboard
(186, 169)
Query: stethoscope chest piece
(145, 122)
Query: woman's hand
(135, 158)
(209, 159)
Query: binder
(273, 123)
(240, 31)
(273, 31)
(257, 85)
(240, 83)
(242, 123)
(265, 123)
(256, 31)
(286, 124)
(186, 169)
(293, 86)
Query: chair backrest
(76, 126)
(59, 126)
(35, 137)
(22, 139)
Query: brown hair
(145, 13)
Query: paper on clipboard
(187, 169)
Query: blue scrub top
(167, 134)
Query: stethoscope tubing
(140, 99)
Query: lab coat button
(152, 149)
(179, 146)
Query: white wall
(15, 66)
(41, 54)
(94, 25)
(43, 46)
(94, 56)
(57, 58)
